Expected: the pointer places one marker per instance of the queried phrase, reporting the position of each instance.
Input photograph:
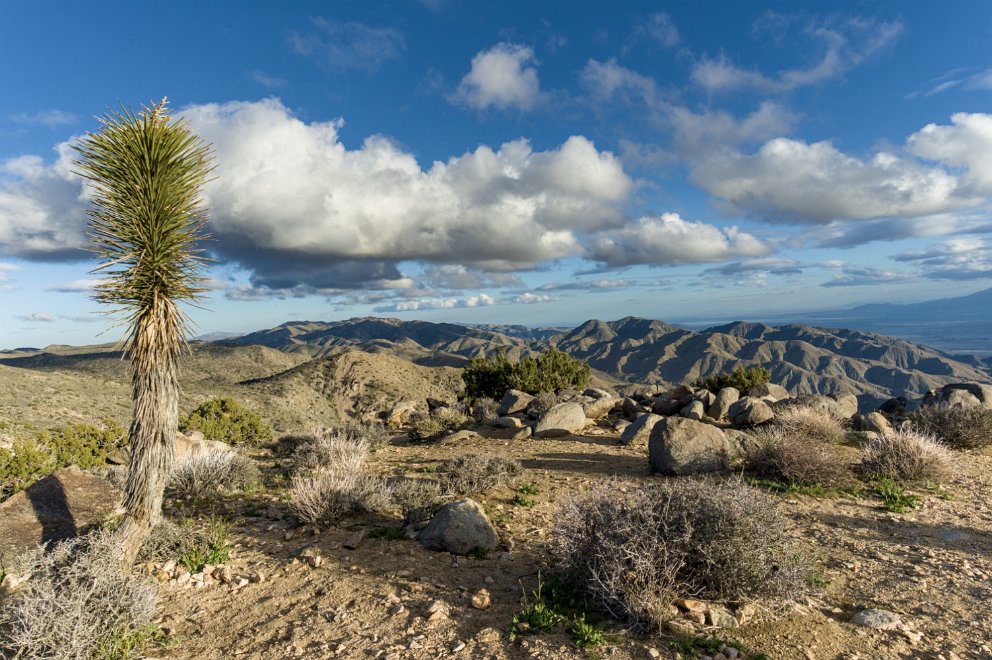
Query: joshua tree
(145, 173)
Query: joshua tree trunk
(146, 173)
(155, 392)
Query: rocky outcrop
(400, 412)
(680, 446)
(598, 403)
(194, 444)
(460, 528)
(963, 395)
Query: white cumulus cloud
(668, 240)
(944, 168)
(503, 77)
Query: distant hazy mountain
(800, 357)
(960, 325)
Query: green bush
(741, 378)
(228, 421)
(548, 372)
(83, 445)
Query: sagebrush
(812, 423)
(476, 473)
(417, 499)
(79, 604)
(330, 449)
(484, 409)
(958, 427)
(638, 547)
(330, 479)
(325, 497)
(439, 422)
(212, 471)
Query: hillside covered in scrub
(635, 350)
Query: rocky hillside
(802, 358)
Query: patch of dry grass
(908, 455)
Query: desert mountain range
(635, 350)
(311, 373)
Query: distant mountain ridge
(959, 325)
(802, 358)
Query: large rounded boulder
(562, 419)
(749, 411)
(680, 446)
(460, 528)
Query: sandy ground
(393, 599)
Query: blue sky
(516, 162)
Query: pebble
(458, 647)
(481, 599)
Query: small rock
(523, 433)
(481, 599)
(458, 647)
(692, 605)
(879, 619)
(721, 618)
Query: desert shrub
(418, 499)
(211, 547)
(425, 427)
(811, 423)
(432, 426)
(476, 473)
(83, 445)
(373, 434)
(958, 427)
(330, 449)
(637, 548)
(907, 455)
(484, 409)
(327, 496)
(79, 604)
(212, 471)
(228, 421)
(741, 378)
(548, 372)
(170, 540)
(23, 464)
(795, 459)
(330, 481)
